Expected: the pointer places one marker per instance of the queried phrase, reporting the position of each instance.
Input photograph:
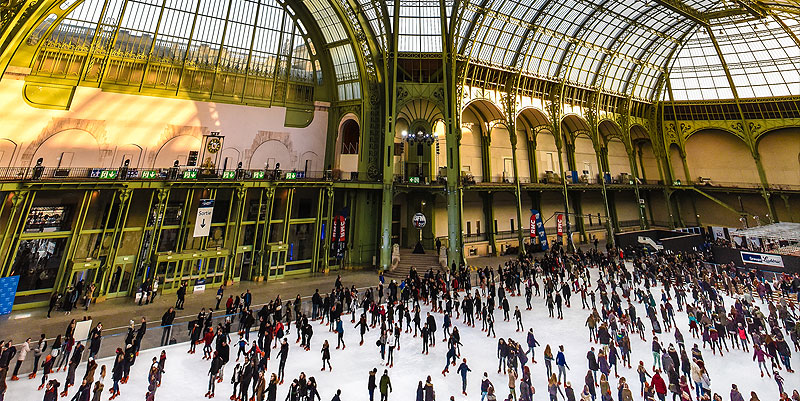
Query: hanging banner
(560, 225)
(534, 215)
(8, 291)
(335, 229)
(202, 224)
(342, 228)
(536, 221)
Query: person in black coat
(117, 372)
(181, 296)
(96, 336)
(247, 376)
(224, 352)
(216, 364)
(166, 323)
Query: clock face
(213, 145)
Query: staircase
(423, 262)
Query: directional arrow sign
(202, 224)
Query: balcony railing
(167, 174)
(470, 238)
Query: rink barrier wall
(152, 337)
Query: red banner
(560, 224)
(533, 226)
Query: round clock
(213, 145)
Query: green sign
(258, 175)
(413, 180)
(149, 174)
(190, 175)
(228, 175)
(291, 175)
(108, 174)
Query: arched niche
(130, 152)
(780, 156)
(501, 162)
(439, 132)
(177, 148)
(272, 152)
(347, 144)
(470, 149)
(585, 157)
(310, 162)
(720, 156)
(69, 148)
(229, 158)
(546, 153)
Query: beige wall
(720, 156)
(780, 156)
(648, 165)
(618, 161)
(547, 154)
(675, 159)
(500, 152)
(470, 149)
(102, 127)
(585, 157)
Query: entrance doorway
(119, 281)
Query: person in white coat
(21, 355)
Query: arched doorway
(347, 147)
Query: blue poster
(537, 218)
(8, 290)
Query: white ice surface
(186, 375)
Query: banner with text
(536, 221)
(762, 259)
(560, 225)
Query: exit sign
(149, 174)
(413, 180)
(108, 174)
(190, 175)
(228, 175)
(258, 175)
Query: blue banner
(536, 218)
(8, 290)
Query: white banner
(202, 224)
(82, 330)
(762, 259)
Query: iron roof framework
(618, 47)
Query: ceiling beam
(683, 9)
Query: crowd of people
(723, 317)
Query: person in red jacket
(660, 386)
(208, 338)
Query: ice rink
(186, 376)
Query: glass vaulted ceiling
(762, 56)
(618, 46)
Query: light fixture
(420, 137)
